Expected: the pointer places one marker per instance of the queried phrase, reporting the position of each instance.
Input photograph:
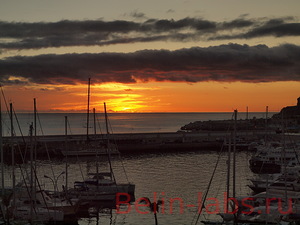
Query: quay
(138, 143)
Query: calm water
(180, 175)
(54, 123)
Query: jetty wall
(138, 142)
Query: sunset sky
(150, 56)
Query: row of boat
(276, 186)
(28, 201)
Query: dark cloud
(20, 35)
(228, 63)
(138, 15)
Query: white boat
(42, 199)
(100, 186)
(289, 180)
(272, 157)
(90, 151)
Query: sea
(180, 179)
(54, 123)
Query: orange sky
(150, 56)
(158, 97)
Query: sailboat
(248, 209)
(101, 186)
(25, 204)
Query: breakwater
(133, 142)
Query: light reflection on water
(173, 175)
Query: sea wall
(132, 142)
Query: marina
(156, 166)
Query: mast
(33, 144)
(234, 153)
(95, 133)
(108, 143)
(266, 124)
(1, 149)
(12, 151)
(88, 111)
(95, 128)
(228, 168)
(32, 187)
(106, 121)
(66, 148)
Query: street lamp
(55, 180)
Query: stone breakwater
(131, 143)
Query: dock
(139, 143)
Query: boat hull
(259, 167)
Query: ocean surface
(177, 178)
(54, 123)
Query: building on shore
(290, 115)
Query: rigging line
(99, 125)
(71, 133)
(46, 146)
(21, 154)
(19, 126)
(69, 126)
(7, 108)
(119, 154)
(26, 186)
(199, 211)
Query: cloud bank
(21, 35)
(224, 63)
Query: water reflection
(177, 178)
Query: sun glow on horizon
(156, 97)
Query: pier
(138, 143)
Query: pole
(34, 145)
(266, 124)
(108, 144)
(66, 146)
(234, 153)
(1, 149)
(228, 168)
(32, 188)
(95, 128)
(88, 111)
(12, 152)
(95, 132)
(106, 120)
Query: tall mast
(88, 111)
(95, 128)
(1, 149)
(33, 143)
(95, 133)
(234, 153)
(32, 187)
(12, 151)
(66, 148)
(228, 167)
(106, 120)
(266, 124)
(108, 143)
